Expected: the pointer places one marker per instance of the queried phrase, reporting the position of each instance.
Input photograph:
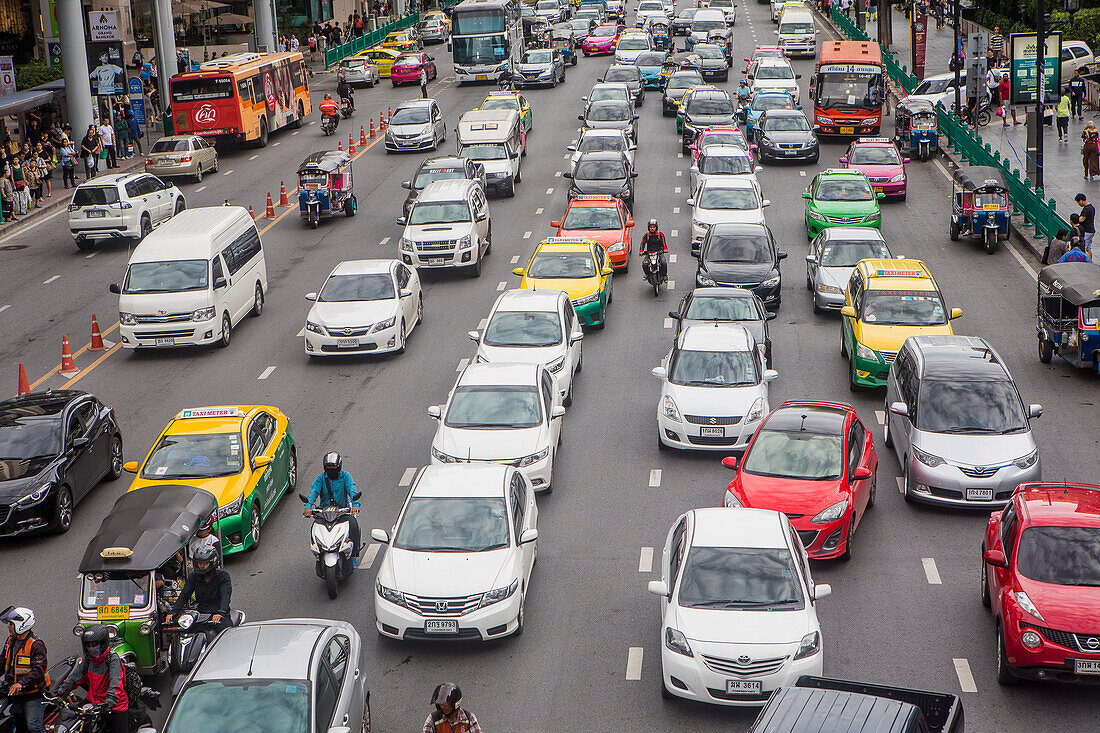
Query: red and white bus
(848, 89)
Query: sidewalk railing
(335, 55)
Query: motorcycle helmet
(208, 556)
(333, 465)
(447, 694)
(207, 524)
(19, 617)
(94, 641)
(652, 225)
(328, 96)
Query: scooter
(651, 268)
(191, 634)
(331, 544)
(75, 715)
(346, 110)
(328, 124)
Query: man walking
(1088, 222)
(1076, 88)
(107, 136)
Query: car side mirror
(631, 148)
(80, 442)
(904, 160)
(380, 535)
(528, 535)
(636, 117)
(770, 315)
(861, 473)
(805, 194)
(660, 372)
(781, 255)
(608, 271)
(557, 412)
(401, 221)
(674, 315)
(435, 411)
(770, 375)
(312, 297)
(571, 148)
(811, 259)
(848, 311)
(482, 216)
(899, 409)
(995, 558)
(518, 271)
(633, 174)
(406, 184)
(844, 161)
(580, 117)
(567, 174)
(798, 76)
(130, 467)
(599, 79)
(114, 288)
(261, 461)
(822, 590)
(730, 462)
(658, 588)
(880, 196)
(1034, 411)
(579, 336)
(220, 283)
(405, 292)
(767, 202)
(956, 313)
(474, 336)
(798, 106)
(690, 202)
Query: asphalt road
(905, 611)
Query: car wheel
(227, 327)
(63, 511)
(852, 385)
(198, 174)
(511, 190)
(984, 591)
(580, 362)
(568, 399)
(475, 269)
(254, 526)
(1004, 669)
(519, 618)
(887, 439)
(843, 345)
(261, 142)
(1046, 351)
(873, 493)
(298, 119)
(366, 715)
(84, 245)
(115, 471)
(257, 302)
(292, 471)
(180, 206)
(401, 338)
(905, 482)
(146, 227)
(850, 539)
(665, 694)
(217, 165)
(660, 442)
(420, 311)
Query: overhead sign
(103, 25)
(7, 75)
(1024, 79)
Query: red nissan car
(603, 219)
(816, 463)
(1041, 577)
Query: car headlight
(809, 646)
(443, 457)
(231, 509)
(407, 244)
(668, 406)
(1027, 605)
(35, 496)
(765, 140)
(586, 299)
(465, 242)
(864, 352)
(816, 216)
(872, 217)
(898, 178)
(677, 642)
(127, 319)
(871, 121)
(383, 325)
(771, 282)
(704, 281)
(617, 247)
(533, 458)
(832, 513)
(756, 411)
(1027, 461)
(316, 328)
(389, 594)
(204, 314)
(927, 458)
(731, 501)
(829, 289)
(556, 365)
(498, 594)
(503, 174)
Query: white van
(797, 32)
(192, 280)
(448, 226)
(494, 138)
(705, 21)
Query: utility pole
(956, 16)
(78, 90)
(1040, 93)
(885, 24)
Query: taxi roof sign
(566, 240)
(899, 273)
(875, 140)
(594, 197)
(202, 412)
(842, 171)
(115, 553)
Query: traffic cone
(362, 135)
(283, 200)
(270, 213)
(389, 114)
(340, 146)
(372, 129)
(351, 144)
(381, 122)
(97, 337)
(68, 366)
(251, 212)
(24, 387)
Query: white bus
(484, 36)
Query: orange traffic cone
(389, 113)
(97, 337)
(351, 144)
(340, 146)
(283, 200)
(67, 364)
(381, 122)
(24, 387)
(372, 129)
(362, 135)
(270, 213)
(251, 212)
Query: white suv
(448, 226)
(121, 205)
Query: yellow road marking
(90, 367)
(77, 353)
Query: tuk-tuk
(536, 33)
(567, 44)
(1068, 314)
(915, 128)
(141, 540)
(325, 186)
(660, 33)
(979, 205)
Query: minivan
(192, 280)
(797, 32)
(705, 21)
(495, 139)
(448, 226)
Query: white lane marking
(310, 122)
(266, 373)
(257, 155)
(302, 332)
(676, 190)
(566, 157)
(645, 560)
(901, 485)
(370, 555)
(482, 324)
(527, 235)
(36, 224)
(462, 364)
(549, 191)
(515, 259)
(802, 173)
(679, 174)
(200, 188)
(679, 155)
(931, 571)
(47, 282)
(4, 307)
(675, 209)
(407, 477)
(670, 285)
(880, 416)
(538, 211)
(669, 323)
(674, 232)
(384, 241)
(295, 132)
(655, 478)
(91, 255)
(557, 174)
(634, 663)
(275, 145)
(966, 678)
(672, 259)
(501, 285)
(228, 173)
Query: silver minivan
(957, 424)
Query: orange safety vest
(462, 725)
(21, 665)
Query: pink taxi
(406, 68)
(878, 158)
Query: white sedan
(719, 161)
(729, 199)
(738, 607)
(458, 561)
(503, 413)
(364, 307)
(534, 327)
(772, 74)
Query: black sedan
(785, 134)
(743, 256)
(610, 114)
(706, 108)
(681, 24)
(713, 64)
(726, 305)
(629, 75)
(607, 174)
(55, 446)
(442, 168)
(678, 83)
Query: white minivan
(797, 31)
(495, 139)
(192, 280)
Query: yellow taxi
(437, 15)
(243, 454)
(401, 41)
(577, 265)
(383, 58)
(886, 302)
(682, 104)
(510, 100)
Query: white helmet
(21, 618)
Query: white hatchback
(738, 607)
(597, 140)
(724, 200)
(772, 74)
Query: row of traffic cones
(68, 366)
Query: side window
(134, 189)
(327, 694)
(87, 411)
(74, 428)
(519, 506)
(216, 270)
(260, 431)
(245, 248)
(242, 90)
(548, 392)
(230, 260)
(676, 553)
(403, 275)
(568, 314)
(856, 436)
(1009, 520)
(336, 657)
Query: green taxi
(841, 197)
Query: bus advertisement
(484, 34)
(848, 89)
(241, 98)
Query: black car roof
(1077, 282)
(37, 404)
(820, 419)
(800, 710)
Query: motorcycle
(651, 268)
(191, 634)
(346, 108)
(332, 545)
(76, 715)
(328, 124)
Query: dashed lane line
(47, 282)
(407, 476)
(675, 232)
(514, 260)
(676, 190)
(669, 323)
(4, 307)
(655, 478)
(384, 241)
(368, 558)
(645, 560)
(880, 416)
(266, 373)
(462, 364)
(966, 677)
(675, 209)
(90, 255)
(253, 157)
(482, 324)
(501, 285)
(302, 332)
(526, 235)
(539, 210)
(634, 663)
(200, 189)
(672, 259)
(901, 484)
(670, 285)
(549, 191)
(931, 571)
(679, 174)
(228, 172)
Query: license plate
(1086, 666)
(712, 432)
(992, 207)
(166, 342)
(435, 260)
(878, 189)
(979, 494)
(347, 343)
(441, 626)
(113, 613)
(742, 687)
(847, 130)
(95, 214)
(481, 77)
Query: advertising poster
(105, 63)
(1024, 79)
(137, 100)
(7, 75)
(278, 95)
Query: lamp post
(956, 17)
(1035, 129)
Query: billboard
(1024, 79)
(107, 75)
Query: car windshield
(606, 31)
(114, 590)
(95, 196)
(22, 438)
(649, 59)
(874, 155)
(531, 329)
(501, 103)
(579, 24)
(709, 106)
(739, 248)
(440, 213)
(424, 177)
(194, 456)
(721, 138)
(484, 152)
(774, 71)
(1060, 555)
(494, 407)
(603, 218)
(795, 454)
(169, 146)
(713, 368)
(609, 113)
(685, 81)
(634, 42)
(736, 577)
(541, 56)
(903, 308)
(249, 705)
(848, 189)
(800, 29)
(847, 254)
(708, 52)
(453, 524)
(624, 74)
(724, 165)
(600, 170)
(602, 143)
(728, 199)
(969, 407)
(615, 93)
(547, 5)
(717, 308)
(706, 25)
(562, 265)
(786, 123)
(687, 13)
(406, 60)
(173, 276)
(351, 288)
(410, 116)
(771, 101)
(934, 86)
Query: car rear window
(95, 195)
(169, 146)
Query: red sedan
(406, 68)
(816, 463)
(1041, 576)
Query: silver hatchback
(832, 259)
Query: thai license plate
(847, 130)
(878, 189)
(712, 432)
(1086, 666)
(435, 260)
(742, 687)
(992, 207)
(441, 626)
(979, 494)
(347, 343)
(166, 342)
(113, 613)
(95, 214)
(481, 77)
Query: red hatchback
(816, 463)
(1041, 576)
(603, 219)
(406, 68)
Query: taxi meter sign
(203, 412)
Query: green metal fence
(335, 55)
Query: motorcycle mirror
(357, 495)
(303, 497)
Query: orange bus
(848, 89)
(241, 98)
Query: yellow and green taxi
(886, 302)
(383, 58)
(576, 265)
(242, 454)
(401, 41)
(841, 197)
(511, 100)
(681, 105)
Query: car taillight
(185, 159)
(148, 161)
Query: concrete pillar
(267, 32)
(164, 43)
(78, 88)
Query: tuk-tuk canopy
(146, 527)
(907, 107)
(971, 177)
(1076, 282)
(328, 161)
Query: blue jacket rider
(336, 487)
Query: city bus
(241, 98)
(848, 88)
(484, 36)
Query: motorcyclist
(335, 487)
(345, 91)
(653, 242)
(101, 671)
(211, 587)
(744, 94)
(449, 716)
(204, 535)
(25, 675)
(330, 108)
